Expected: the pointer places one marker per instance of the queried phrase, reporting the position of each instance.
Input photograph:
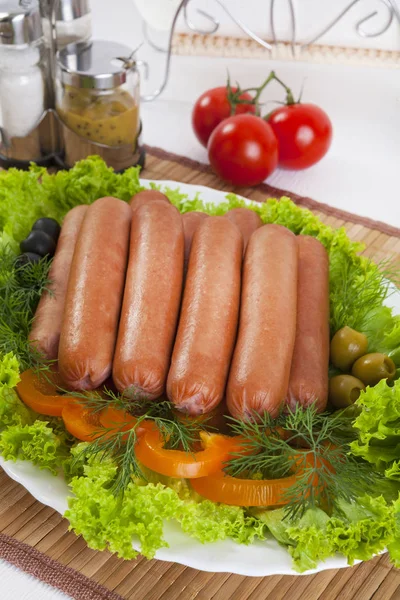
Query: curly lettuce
(37, 443)
(9, 371)
(28, 195)
(111, 522)
(357, 530)
(378, 427)
(12, 410)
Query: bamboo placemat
(192, 44)
(36, 539)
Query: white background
(361, 172)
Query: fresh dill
(111, 442)
(311, 444)
(20, 290)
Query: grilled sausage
(94, 295)
(208, 322)
(259, 375)
(151, 303)
(45, 333)
(308, 381)
(191, 222)
(247, 221)
(146, 196)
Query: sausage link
(208, 322)
(247, 221)
(46, 329)
(94, 295)
(259, 376)
(151, 303)
(191, 222)
(146, 196)
(308, 381)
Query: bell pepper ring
(82, 422)
(221, 487)
(216, 450)
(115, 419)
(39, 391)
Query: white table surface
(17, 585)
(360, 174)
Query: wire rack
(387, 10)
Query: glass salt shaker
(73, 21)
(97, 102)
(24, 85)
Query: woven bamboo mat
(36, 539)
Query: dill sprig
(20, 290)
(357, 289)
(112, 443)
(316, 446)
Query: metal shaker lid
(66, 10)
(95, 65)
(20, 22)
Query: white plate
(259, 559)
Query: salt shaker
(97, 102)
(24, 85)
(73, 21)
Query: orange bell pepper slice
(220, 487)
(39, 392)
(82, 422)
(116, 419)
(216, 450)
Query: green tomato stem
(234, 97)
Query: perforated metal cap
(94, 65)
(20, 22)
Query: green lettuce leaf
(22, 201)
(36, 443)
(383, 331)
(210, 522)
(28, 195)
(12, 410)
(378, 426)
(306, 538)
(9, 371)
(87, 181)
(361, 530)
(394, 545)
(358, 530)
(109, 521)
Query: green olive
(344, 390)
(346, 346)
(371, 368)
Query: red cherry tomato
(213, 107)
(304, 133)
(243, 150)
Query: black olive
(49, 226)
(40, 243)
(27, 258)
